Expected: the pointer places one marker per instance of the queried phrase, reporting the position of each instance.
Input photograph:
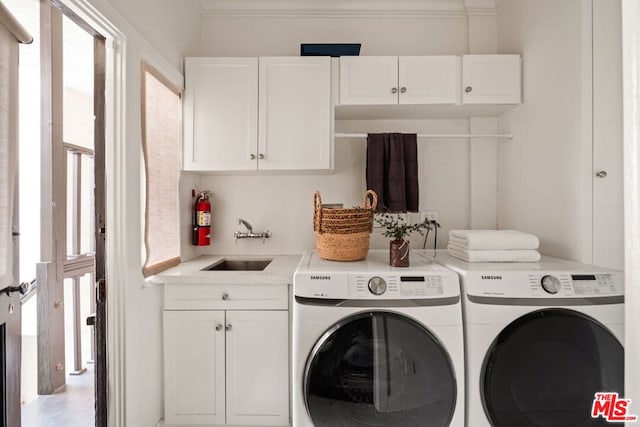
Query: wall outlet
(429, 215)
(378, 216)
(413, 217)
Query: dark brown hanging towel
(392, 170)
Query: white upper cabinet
(389, 80)
(491, 79)
(368, 80)
(295, 117)
(230, 125)
(220, 113)
(429, 79)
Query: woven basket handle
(317, 211)
(370, 200)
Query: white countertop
(279, 271)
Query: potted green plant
(398, 229)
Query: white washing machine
(541, 339)
(375, 345)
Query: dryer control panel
(545, 284)
(410, 286)
(594, 284)
(573, 284)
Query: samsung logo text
(491, 277)
(320, 277)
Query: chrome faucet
(249, 233)
(246, 224)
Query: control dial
(377, 285)
(550, 284)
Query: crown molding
(198, 6)
(480, 7)
(501, 5)
(334, 8)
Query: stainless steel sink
(239, 265)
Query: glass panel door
(379, 369)
(544, 368)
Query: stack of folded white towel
(493, 246)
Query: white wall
(283, 203)
(539, 171)
(171, 27)
(161, 35)
(271, 36)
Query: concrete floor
(71, 407)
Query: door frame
(115, 63)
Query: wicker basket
(343, 234)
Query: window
(161, 130)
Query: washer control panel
(377, 285)
(410, 286)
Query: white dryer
(375, 345)
(541, 339)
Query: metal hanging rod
(434, 135)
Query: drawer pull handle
(228, 327)
(218, 327)
(225, 297)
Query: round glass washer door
(379, 369)
(544, 368)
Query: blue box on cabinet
(330, 49)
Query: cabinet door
(295, 113)
(368, 80)
(194, 367)
(429, 79)
(220, 113)
(491, 79)
(258, 367)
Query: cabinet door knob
(252, 156)
(261, 156)
(601, 174)
(225, 297)
(394, 90)
(403, 89)
(228, 327)
(218, 327)
(468, 89)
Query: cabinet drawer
(225, 297)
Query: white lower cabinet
(257, 367)
(194, 360)
(226, 367)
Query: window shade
(161, 130)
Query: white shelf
(419, 112)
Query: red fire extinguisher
(202, 220)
